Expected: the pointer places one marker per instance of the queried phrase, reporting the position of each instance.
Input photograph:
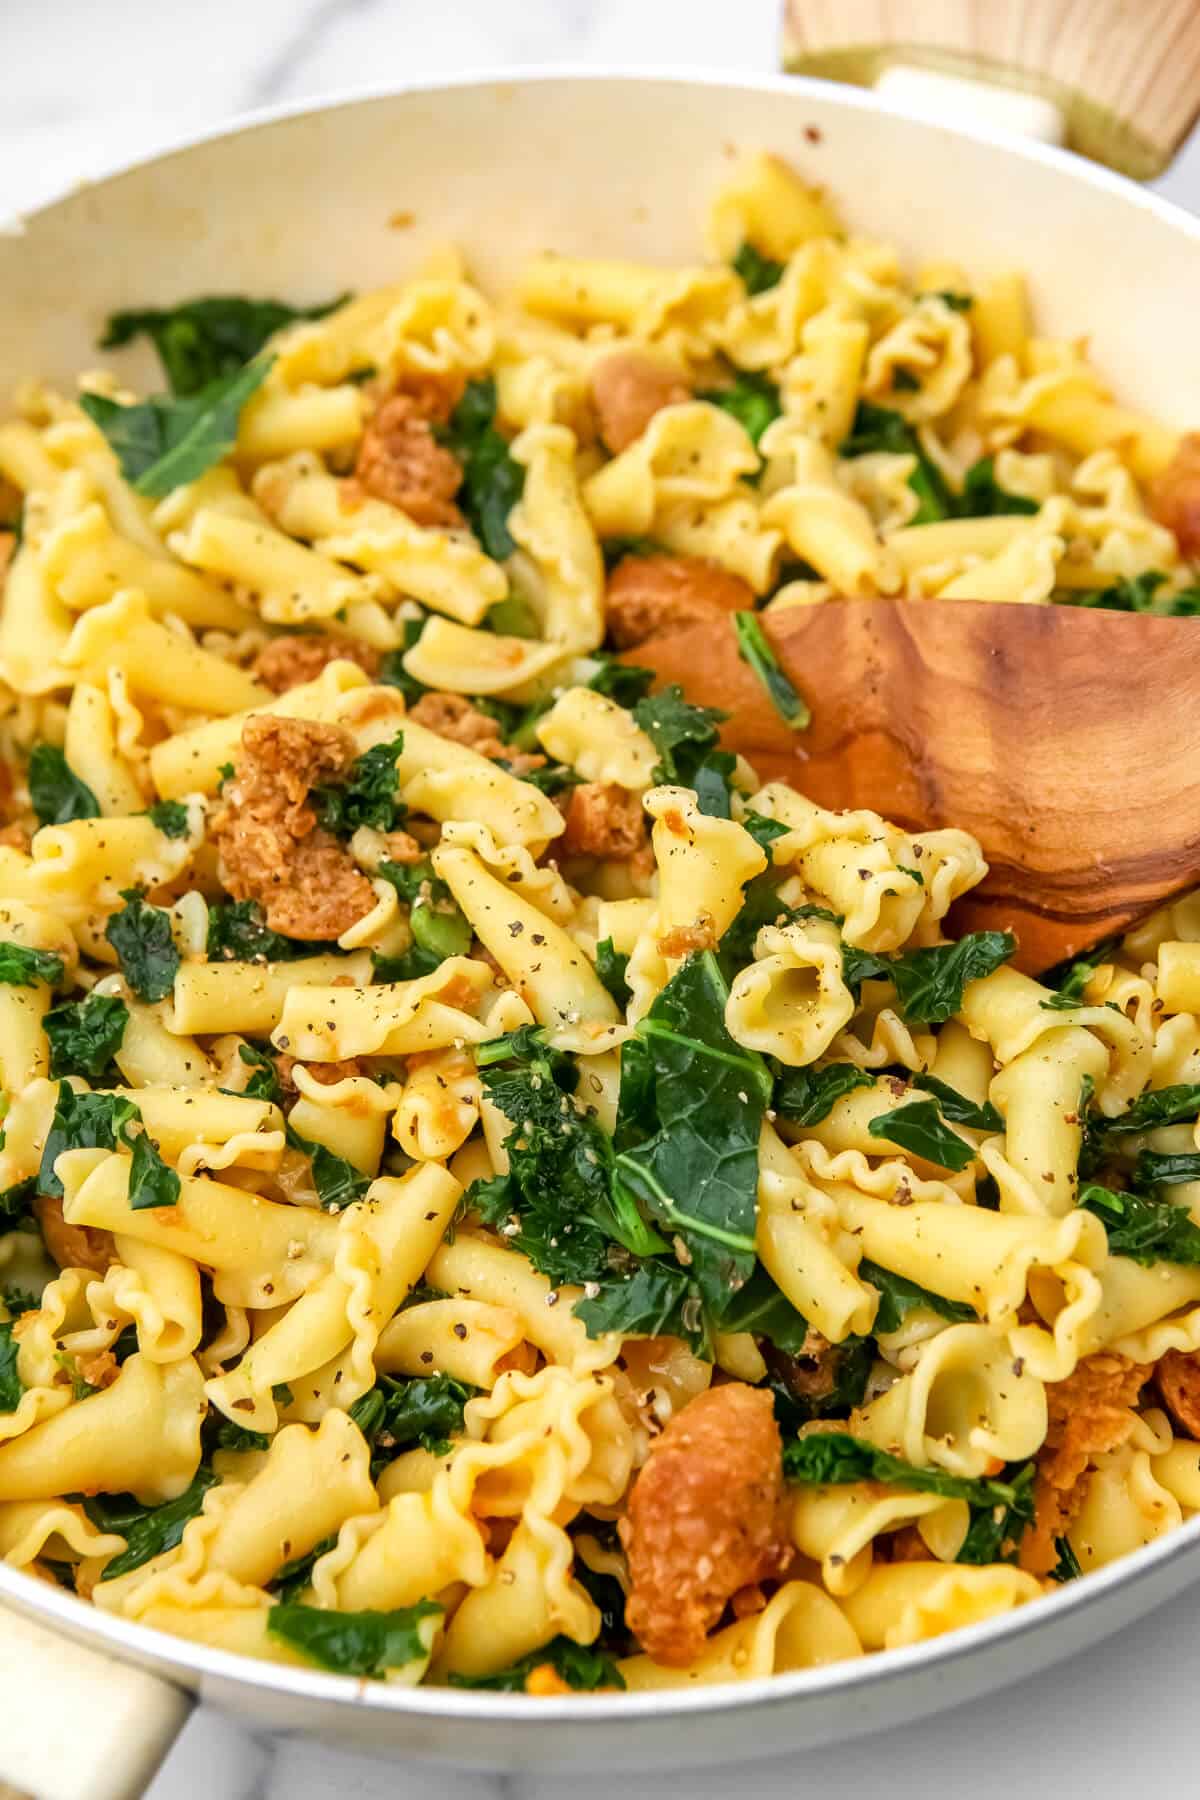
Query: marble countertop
(89, 83)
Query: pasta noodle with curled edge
(801, 1627)
(906, 1603)
(791, 1001)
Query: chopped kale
(356, 1643)
(201, 341)
(85, 1035)
(142, 938)
(754, 649)
(57, 794)
(163, 442)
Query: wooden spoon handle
(1064, 740)
(1125, 74)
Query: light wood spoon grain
(1066, 740)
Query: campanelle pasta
(491, 1192)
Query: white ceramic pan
(302, 206)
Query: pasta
(468, 1142)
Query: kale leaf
(754, 649)
(85, 1035)
(682, 734)
(697, 1173)
(1146, 1231)
(163, 442)
(581, 1666)
(626, 683)
(1161, 1106)
(983, 498)
(200, 341)
(917, 1127)
(1155, 1168)
(757, 271)
(11, 1385)
(83, 1122)
(22, 967)
(930, 982)
(170, 817)
(147, 1530)
(142, 938)
(492, 480)
(426, 1410)
(366, 797)
(355, 1643)
(237, 932)
(610, 967)
(151, 1181)
(898, 1297)
(57, 794)
(806, 1096)
(957, 1108)
(880, 428)
(751, 398)
(337, 1181)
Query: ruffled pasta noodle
(395, 1154)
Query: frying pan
(303, 204)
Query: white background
(87, 83)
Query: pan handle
(75, 1725)
(1116, 80)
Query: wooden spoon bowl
(1066, 740)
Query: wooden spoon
(1066, 740)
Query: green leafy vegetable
(879, 428)
(170, 817)
(917, 1127)
(806, 1096)
(757, 271)
(83, 1122)
(983, 498)
(762, 1309)
(492, 480)
(836, 1458)
(356, 1643)
(559, 1189)
(626, 683)
(426, 1410)
(337, 1181)
(1139, 594)
(682, 734)
(18, 1300)
(141, 936)
(367, 796)
(697, 1172)
(957, 1108)
(16, 1202)
(162, 443)
(85, 1035)
(200, 341)
(956, 302)
(237, 932)
(221, 1433)
(11, 1385)
(754, 649)
(57, 794)
(1161, 1106)
(290, 1580)
(828, 1386)
(764, 831)
(22, 967)
(1067, 1566)
(898, 1297)
(713, 782)
(1147, 1231)
(752, 399)
(1155, 1168)
(656, 1300)
(1070, 978)
(151, 1181)
(264, 1083)
(611, 967)
(930, 982)
(147, 1530)
(552, 778)
(514, 616)
(581, 1666)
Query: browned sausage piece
(287, 662)
(400, 461)
(628, 388)
(707, 1516)
(604, 820)
(650, 595)
(1178, 1377)
(1089, 1414)
(73, 1246)
(1174, 498)
(268, 844)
